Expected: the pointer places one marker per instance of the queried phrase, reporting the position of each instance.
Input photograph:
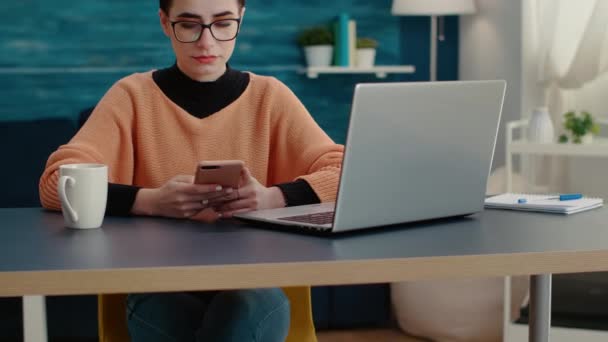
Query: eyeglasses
(190, 31)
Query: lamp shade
(433, 7)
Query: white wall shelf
(598, 148)
(381, 70)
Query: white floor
(519, 332)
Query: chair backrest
(112, 315)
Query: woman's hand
(251, 195)
(180, 198)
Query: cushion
(455, 310)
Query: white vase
(540, 128)
(319, 55)
(366, 58)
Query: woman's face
(204, 59)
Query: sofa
(27, 144)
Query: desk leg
(34, 319)
(540, 308)
(508, 170)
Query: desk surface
(39, 256)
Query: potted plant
(366, 52)
(581, 128)
(318, 45)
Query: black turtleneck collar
(201, 99)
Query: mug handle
(63, 182)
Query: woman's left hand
(252, 195)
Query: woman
(152, 128)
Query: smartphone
(226, 173)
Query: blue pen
(563, 197)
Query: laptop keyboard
(317, 218)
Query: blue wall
(58, 57)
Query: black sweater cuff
(120, 199)
(298, 193)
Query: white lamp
(434, 8)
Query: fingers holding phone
(221, 197)
(178, 198)
(225, 173)
(252, 195)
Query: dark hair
(166, 4)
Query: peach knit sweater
(146, 139)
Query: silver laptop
(414, 151)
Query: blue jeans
(258, 315)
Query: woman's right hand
(178, 198)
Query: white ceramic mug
(83, 191)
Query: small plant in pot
(318, 45)
(579, 128)
(366, 52)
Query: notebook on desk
(406, 143)
(542, 203)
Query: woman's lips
(205, 59)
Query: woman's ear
(242, 16)
(164, 23)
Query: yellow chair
(113, 318)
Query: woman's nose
(206, 38)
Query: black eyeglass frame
(206, 26)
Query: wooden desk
(38, 256)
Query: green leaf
(366, 43)
(563, 138)
(587, 121)
(579, 127)
(319, 35)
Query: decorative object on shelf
(581, 128)
(366, 52)
(540, 129)
(345, 33)
(318, 45)
(434, 8)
